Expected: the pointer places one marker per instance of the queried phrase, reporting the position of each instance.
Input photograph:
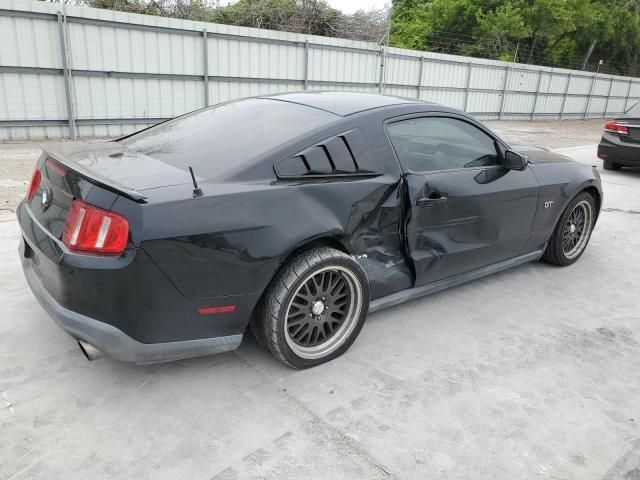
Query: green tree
(419, 24)
(622, 50)
(500, 31)
(564, 33)
(548, 20)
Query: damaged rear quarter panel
(231, 241)
(242, 238)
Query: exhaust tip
(90, 352)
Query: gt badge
(548, 204)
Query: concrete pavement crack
(336, 433)
(618, 210)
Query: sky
(346, 6)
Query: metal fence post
(606, 105)
(593, 82)
(306, 65)
(504, 92)
(67, 77)
(626, 100)
(535, 101)
(205, 63)
(564, 96)
(468, 84)
(420, 70)
(381, 78)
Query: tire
(573, 231)
(610, 165)
(290, 321)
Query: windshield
(220, 138)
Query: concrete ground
(530, 373)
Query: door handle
(432, 199)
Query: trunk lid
(633, 124)
(117, 167)
(96, 173)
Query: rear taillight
(34, 184)
(614, 127)
(93, 230)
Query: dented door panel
(486, 218)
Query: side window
(439, 143)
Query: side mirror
(515, 161)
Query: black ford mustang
(304, 212)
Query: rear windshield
(218, 139)
(634, 110)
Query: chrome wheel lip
(580, 218)
(344, 330)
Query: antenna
(197, 191)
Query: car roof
(343, 103)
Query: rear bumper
(114, 342)
(613, 149)
(124, 306)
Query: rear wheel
(573, 231)
(314, 309)
(610, 165)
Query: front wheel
(573, 231)
(314, 309)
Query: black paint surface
(338, 183)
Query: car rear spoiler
(65, 154)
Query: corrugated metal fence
(73, 71)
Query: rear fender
(372, 237)
(233, 243)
